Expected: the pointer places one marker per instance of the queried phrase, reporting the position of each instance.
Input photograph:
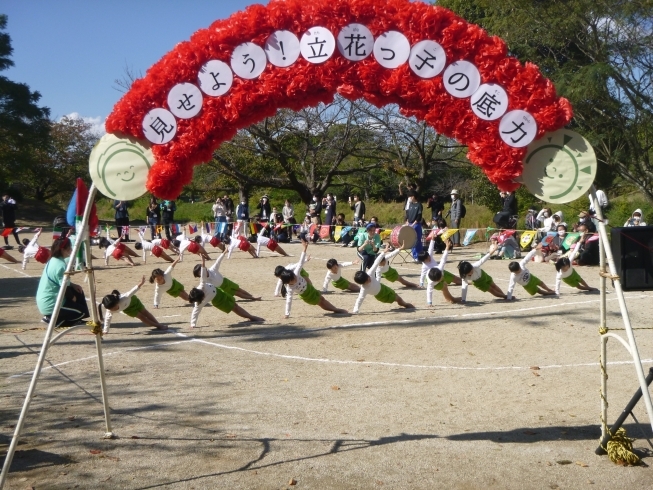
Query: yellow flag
(448, 234)
(385, 234)
(337, 233)
(159, 229)
(527, 238)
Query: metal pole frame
(634, 352)
(83, 238)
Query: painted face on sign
(119, 166)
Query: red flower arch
(304, 84)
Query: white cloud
(97, 123)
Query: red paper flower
(304, 84)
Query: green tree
(599, 54)
(56, 165)
(23, 124)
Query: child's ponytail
(155, 274)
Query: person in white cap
(456, 213)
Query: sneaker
(45, 319)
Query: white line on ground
(17, 271)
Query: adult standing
(9, 216)
(414, 219)
(242, 217)
(168, 209)
(436, 206)
(122, 218)
(367, 245)
(265, 210)
(329, 204)
(358, 207)
(412, 188)
(288, 213)
(153, 216)
(220, 216)
(74, 306)
(604, 204)
(228, 212)
(456, 212)
(315, 208)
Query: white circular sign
(355, 42)
(159, 126)
(317, 45)
(185, 100)
(215, 78)
(427, 59)
(119, 165)
(461, 79)
(391, 49)
(518, 129)
(248, 61)
(560, 167)
(282, 48)
(490, 101)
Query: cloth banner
(7, 231)
(207, 227)
(469, 236)
(337, 233)
(159, 229)
(385, 234)
(449, 233)
(324, 232)
(141, 230)
(570, 239)
(593, 238)
(192, 228)
(526, 238)
(311, 229)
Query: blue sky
(71, 51)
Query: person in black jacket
(436, 205)
(153, 216)
(502, 218)
(265, 209)
(414, 219)
(168, 209)
(9, 217)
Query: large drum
(405, 234)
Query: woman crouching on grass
(130, 305)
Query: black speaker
(632, 248)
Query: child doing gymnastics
(473, 274)
(521, 275)
(439, 280)
(280, 289)
(183, 243)
(219, 281)
(429, 263)
(240, 242)
(212, 240)
(31, 249)
(206, 293)
(569, 275)
(130, 305)
(371, 285)
(117, 250)
(335, 276)
(147, 246)
(164, 282)
(272, 245)
(295, 283)
(389, 273)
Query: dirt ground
(487, 395)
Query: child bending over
(164, 282)
(390, 273)
(147, 246)
(335, 276)
(569, 275)
(370, 285)
(473, 274)
(521, 275)
(219, 281)
(130, 305)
